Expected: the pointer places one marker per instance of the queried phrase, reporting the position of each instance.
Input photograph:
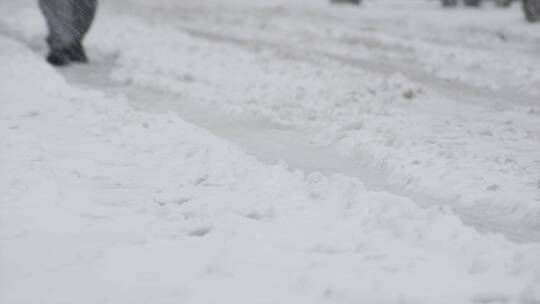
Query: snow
(474, 150)
(110, 195)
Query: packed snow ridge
(102, 202)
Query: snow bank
(104, 204)
(476, 155)
(368, 80)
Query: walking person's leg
(59, 17)
(68, 22)
(84, 12)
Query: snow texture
(104, 203)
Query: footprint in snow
(200, 231)
(170, 197)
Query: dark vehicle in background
(531, 8)
(475, 3)
(356, 2)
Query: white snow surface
(109, 198)
(363, 88)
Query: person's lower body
(68, 22)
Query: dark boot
(76, 53)
(58, 58)
(68, 22)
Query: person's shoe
(58, 58)
(76, 53)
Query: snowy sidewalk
(375, 93)
(105, 204)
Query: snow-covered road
(272, 152)
(449, 114)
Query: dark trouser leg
(84, 12)
(59, 17)
(68, 22)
